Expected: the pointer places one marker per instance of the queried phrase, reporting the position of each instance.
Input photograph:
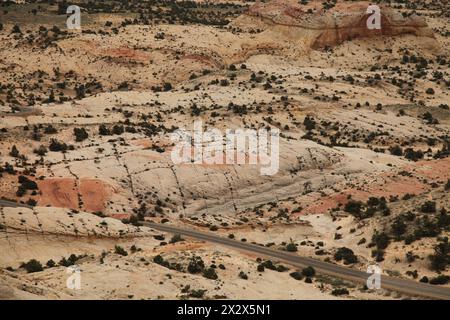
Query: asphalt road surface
(409, 287)
(6, 203)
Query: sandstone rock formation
(345, 21)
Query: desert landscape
(87, 177)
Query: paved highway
(408, 287)
(6, 203)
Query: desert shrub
(413, 274)
(32, 266)
(410, 238)
(378, 254)
(441, 257)
(428, 207)
(239, 109)
(121, 251)
(196, 265)
(160, 36)
(413, 155)
(80, 134)
(167, 86)
(50, 263)
(123, 86)
(158, 259)
(339, 292)
(411, 257)
(41, 151)
(195, 110)
(281, 268)
(374, 201)
(21, 191)
(62, 7)
(353, 207)
(398, 227)
(134, 220)
(63, 262)
(426, 227)
(447, 185)
(260, 268)
(296, 275)
(309, 123)
(176, 238)
(361, 241)
(440, 280)
(198, 294)
(130, 129)
(50, 129)
(8, 168)
(80, 91)
(27, 183)
(103, 130)
(291, 247)
(118, 130)
(210, 273)
(16, 29)
(443, 220)
(309, 272)
(381, 240)
(396, 151)
(345, 254)
(14, 152)
(269, 265)
(70, 261)
(57, 146)
(243, 275)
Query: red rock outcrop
(345, 21)
(67, 192)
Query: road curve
(408, 287)
(7, 203)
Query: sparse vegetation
(121, 251)
(32, 266)
(309, 272)
(176, 238)
(346, 255)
